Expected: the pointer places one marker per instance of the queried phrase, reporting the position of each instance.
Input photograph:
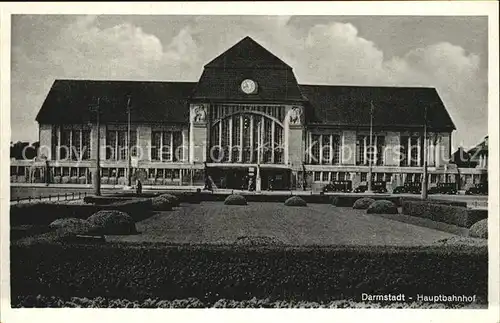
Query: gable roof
(247, 53)
(393, 106)
(222, 77)
(70, 101)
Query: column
(183, 134)
(273, 127)
(419, 151)
(309, 149)
(251, 138)
(320, 149)
(365, 150)
(230, 138)
(331, 151)
(171, 146)
(409, 151)
(241, 138)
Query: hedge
(138, 272)
(43, 213)
(435, 201)
(93, 199)
(30, 301)
(459, 216)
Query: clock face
(248, 86)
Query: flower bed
(193, 302)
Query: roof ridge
(247, 40)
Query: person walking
(138, 187)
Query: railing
(51, 198)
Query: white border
(459, 8)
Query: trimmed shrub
(363, 203)
(479, 229)
(173, 200)
(295, 201)
(161, 204)
(68, 223)
(241, 272)
(382, 207)
(455, 215)
(112, 222)
(235, 199)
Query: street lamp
(424, 177)
(96, 180)
(370, 160)
(129, 157)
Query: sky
(448, 53)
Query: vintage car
(338, 186)
(408, 187)
(443, 188)
(478, 189)
(377, 187)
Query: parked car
(377, 187)
(408, 187)
(478, 189)
(361, 189)
(443, 188)
(338, 186)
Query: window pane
(122, 145)
(177, 156)
(64, 149)
(325, 147)
(111, 145)
(86, 153)
(156, 145)
(315, 146)
(75, 149)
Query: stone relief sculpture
(295, 114)
(199, 114)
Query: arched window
(247, 136)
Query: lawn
(316, 224)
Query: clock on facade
(249, 86)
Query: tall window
(235, 154)
(360, 150)
(403, 151)
(336, 149)
(380, 144)
(278, 145)
(415, 151)
(325, 148)
(73, 144)
(165, 145)
(315, 148)
(116, 143)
